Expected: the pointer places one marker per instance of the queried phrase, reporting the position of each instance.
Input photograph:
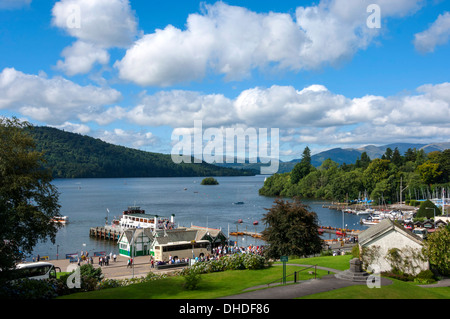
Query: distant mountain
(71, 155)
(350, 155)
(338, 155)
(436, 147)
(347, 155)
(378, 151)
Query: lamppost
(193, 255)
(434, 214)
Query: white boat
(60, 219)
(135, 217)
(371, 220)
(364, 212)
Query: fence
(296, 275)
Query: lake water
(85, 202)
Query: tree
(437, 249)
(291, 230)
(302, 168)
(429, 172)
(396, 157)
(426, 210)
(28, 200)
(387, 155)
(209, 181)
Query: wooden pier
(105, 233)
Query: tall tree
(28, 200)
(302, 168)
(291, 229)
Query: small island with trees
(209, 181)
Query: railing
(295, 274)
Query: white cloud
(52, 100)
(97, 25)
(233, 41)
(310, 115)
(437, 34)
(128, 138)
(80, 58)
(82, 129)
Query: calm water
(86, 201)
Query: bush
(29, 289)
(191, 279)
(425, 277)
(428, 209)
(230, 262)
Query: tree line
(419, 174)
(70, 155)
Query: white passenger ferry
(135, 217)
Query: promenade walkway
(302, 288)
(119, 269)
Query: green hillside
(71, 155)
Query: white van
(38, 270)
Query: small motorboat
(238, 203)
(60, 219)
(255, 222)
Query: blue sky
(134, 72)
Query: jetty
(105, 232)
(338, 231)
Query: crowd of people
(216, 253)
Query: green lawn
(213, 285)
(397, 290)
(220, 284)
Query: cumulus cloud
(52, 100)
(233, 41)
(309, 115)
(81, 57)
(437, 34)
(97, 25)
(128, 138)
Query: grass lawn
(220, 284)
(213, 285)
(397, 290)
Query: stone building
(387, 245)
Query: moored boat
(60, 219)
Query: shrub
(191, 279)
(28, 289)
(425, 277)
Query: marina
(94, 208)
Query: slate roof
(128, 233)
(172, 236)
(383, 227)
(176, 235)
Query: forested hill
(71, 155)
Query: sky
(326, 74)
